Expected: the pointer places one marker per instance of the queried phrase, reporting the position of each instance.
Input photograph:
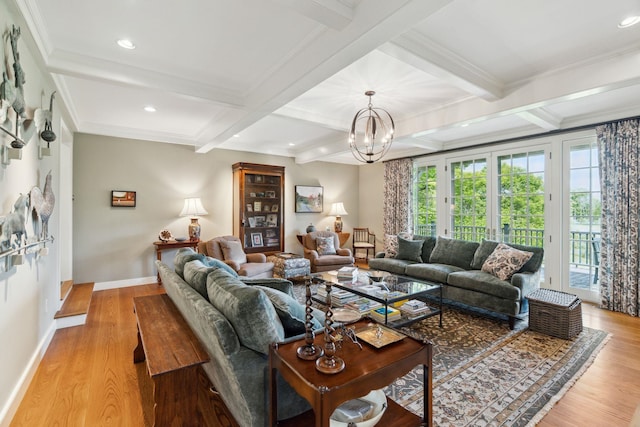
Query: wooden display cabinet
(258, 207)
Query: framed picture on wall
(123, 199)
(309, 198)
(256, 240)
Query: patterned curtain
(619, 150)
(398, 188)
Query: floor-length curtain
(398, 178)
(619, 148)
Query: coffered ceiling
(286, 77)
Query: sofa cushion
(232, 251)
(247, 308)
(183, 256)
(427, 246)
(504, 261)
(431, 272)
(325, 246)
(196, 272)
(487, 247)
(392, 265)
(485, 283)
(453, 252)
(391, 243)
(291, 313)
(411, 250)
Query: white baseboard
(15, 398)
(103, 286)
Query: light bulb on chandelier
(371, 133)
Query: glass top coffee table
(391, 299)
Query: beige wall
(29, 293)
(115, 244)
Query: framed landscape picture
(309, 198)
(125, 199)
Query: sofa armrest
(381, 255)
(311, 254)
(233, 264)
(526, 282)
(256, 258)
(343, 252)
(282, 285)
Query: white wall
(29, 293)
(115, 244)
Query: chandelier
(371, 133)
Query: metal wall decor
(16, 238)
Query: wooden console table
(173, 354)
(367, 369)
(172, 244)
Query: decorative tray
(378, 335)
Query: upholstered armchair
(229, 249)
(322, 249)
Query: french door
(498, 197)
(582, 207)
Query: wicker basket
(555, 313)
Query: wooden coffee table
(366, 369)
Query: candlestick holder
(329, 363)
(309, 350)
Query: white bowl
(379, 400)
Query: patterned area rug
(488, 375)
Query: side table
(366, 369)
(173, 244)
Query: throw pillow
(325, 246)
(247, 308)
(410, 250)
(505, 261)
(183, 256)
(232, 251)
(292, 314)
(391, 243)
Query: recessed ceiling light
(629, 21)
(291, 144)
(150, 109)
(126, 44)
(236, 136)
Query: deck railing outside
(580, 242)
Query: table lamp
(337, 210)
(193, 208)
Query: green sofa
(236, 321)
(457, 264)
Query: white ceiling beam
(541, 118)
(85, 67)
(571, 83)
(330, 13)
(423, 143)
(374, 23)
(321, 152)
(422, 53)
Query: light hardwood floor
(87, 376)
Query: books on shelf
(339, 297)
(378, 314)
(348, 273)
(363, 305)
(414, 308)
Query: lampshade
(371, 133)
(338, 210)
(193, 207)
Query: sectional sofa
(472, 273)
